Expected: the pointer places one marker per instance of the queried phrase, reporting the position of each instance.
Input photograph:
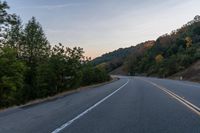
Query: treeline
(170, 54)
(31, 68)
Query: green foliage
(11, 77)
(34, 49)
(94, 75)
(30, 68)
(6, 20)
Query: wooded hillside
(165, 56)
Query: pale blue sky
(101, 26)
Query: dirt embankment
(119, 71)
(192, 73)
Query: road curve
(129, 105)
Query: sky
(100, 26)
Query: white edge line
(87, 110)
(180, 99)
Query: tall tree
(11, 77)
(6, 20)
(15, 36)
(36, 49)
(36, 45)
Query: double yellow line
(188, 104)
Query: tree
(15, 38)
(15, 34)
(188, 41)
(36, 45)
(46, 79)
(35, 49)
(6, 20)
(57, 62)
(11, 77)
(30, 68)
(196, 30)
(63, 70)
(93, 74)
(74, 65)
(159, 58)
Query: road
(128, 105)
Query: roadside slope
(192, 73)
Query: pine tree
(36, 49)
(6, 20)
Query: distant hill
(122, 52)
(115, 59)
(119, 53)
(167, 55)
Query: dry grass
(192, 73)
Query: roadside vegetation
(31, 68)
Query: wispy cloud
(50, 7)
(53, 31)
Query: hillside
(123, 52)
(167, 55)
(192, 73)
(112, 60)
(119, 53)
(119, 71)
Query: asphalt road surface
(128, 105)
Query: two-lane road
(129, 105)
